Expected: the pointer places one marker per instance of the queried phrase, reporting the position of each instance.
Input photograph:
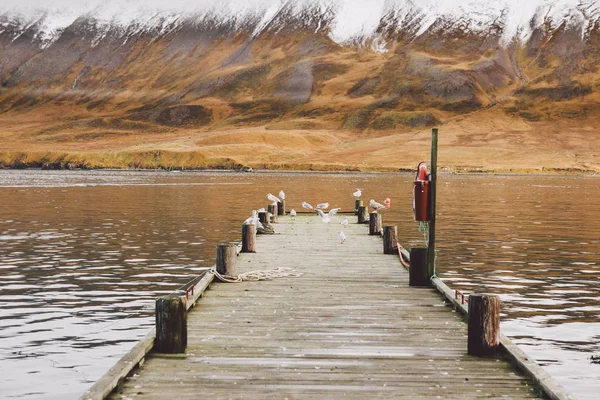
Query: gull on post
(281, 195)
(272, 198)
(376, 206)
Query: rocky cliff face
(117, 67)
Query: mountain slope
(307, 84)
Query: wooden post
(390, 239)
(272, 209)
(374, 223)
(281, 208)
(263, 217)
(419, 274)
(357, 205)
(432, 194)
(363, 216)
(484, 325)
(248, 238)
(171, 325)
(226, 255)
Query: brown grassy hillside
(206, 96)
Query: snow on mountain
(346, 20)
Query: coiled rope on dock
(258, 275)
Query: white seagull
(292, 213)
(344, 222)
(324, 217)
(261, 210)
(281, 195)
(323, 206)
(333, 211)
(306, 205)
(376, 206)
(274, 199)
(342, 237)
(357, 194)
(253, 220)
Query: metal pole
(432, 189)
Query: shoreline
(194, 161)
(441, 171)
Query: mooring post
(226, 255)
(363, 215)
(171, 325)
(432, 194)
(484, 325)
(281, 207)
(357, 205)
(374, 223)
(272, 209)
(419, 274)
(263, 217)
(248, 238)
(390, 240)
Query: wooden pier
(349, 326)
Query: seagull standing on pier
(342, 237)
(376, 206)
(306, 206)
(344, 222)
(292, 213)
(273, 199)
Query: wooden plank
(110, 380)
(199, 289)
(541, 378)
(349, 327)
(133, 358)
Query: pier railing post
(484, 325)
(248, 238)
(226, 255)
(357, 205)
(374, 223)
(390, 239)
(171, 325)
(419, 274)
(363, 215)
(281, 207)
(272, 209)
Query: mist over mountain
(510, 78)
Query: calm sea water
(83, 254)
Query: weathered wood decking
(349, 327)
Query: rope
(425, 228)
(259, 275)
(400, 248)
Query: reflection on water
(83, 255)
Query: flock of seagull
(320, 209)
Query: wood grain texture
(248, 238)
(390, 238)
(350, 327)
(484, 325)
